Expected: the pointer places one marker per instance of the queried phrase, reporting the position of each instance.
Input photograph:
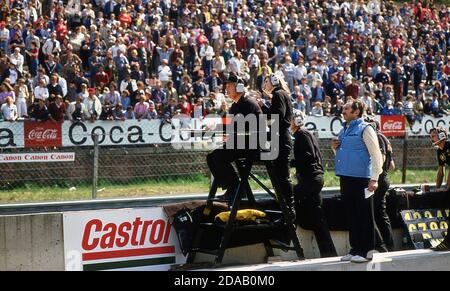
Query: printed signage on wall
(124, 239)
(43, 134)
(426, 227)
(393, 125)
(133, 132)
(37, 158)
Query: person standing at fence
(384, 239)
(309, 170)
(358, 163)
(439, 139)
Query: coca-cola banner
(393, 125)
(133, 132)
(43, 134)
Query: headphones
(274, 80)
(373, 122)
(441, 133)
(299, 117)
(240, 86)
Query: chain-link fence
(124, 171)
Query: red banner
(42, 134)
(393, 125)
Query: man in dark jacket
(220, 160)
(309, 170)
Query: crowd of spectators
(141, 59)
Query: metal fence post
(405, 158)
(95, 167)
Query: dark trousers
(307, 194)
(220, 163)
(279, 174)
(359, 214)
(384, 236)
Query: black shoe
(442, 247)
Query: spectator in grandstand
(408, 110)
(21, 91)
(184, 106)
(152, 112)
(118, 113)
(93, 106)
(389, 109)
(57, 109)
(9, 110)
(141, 108)
(39, 111)
(129, 114)
(317, 110)
(299, 103)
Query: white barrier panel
(11, 135)
(124, 239)
(133, 132)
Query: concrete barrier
(417, 260)
(31, 242)
(35, 242)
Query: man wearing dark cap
(219, 161)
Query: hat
(389, 102)
(252, 51)
(91, 90)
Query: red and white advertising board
(123, 239)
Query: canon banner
(133, 132)
(123, 239)
(37, 158)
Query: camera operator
(220, 160)
(280, 105)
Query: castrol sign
(124, 239)
(42, 134)
(393, 125)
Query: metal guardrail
(99, 204)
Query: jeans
(34, 64)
